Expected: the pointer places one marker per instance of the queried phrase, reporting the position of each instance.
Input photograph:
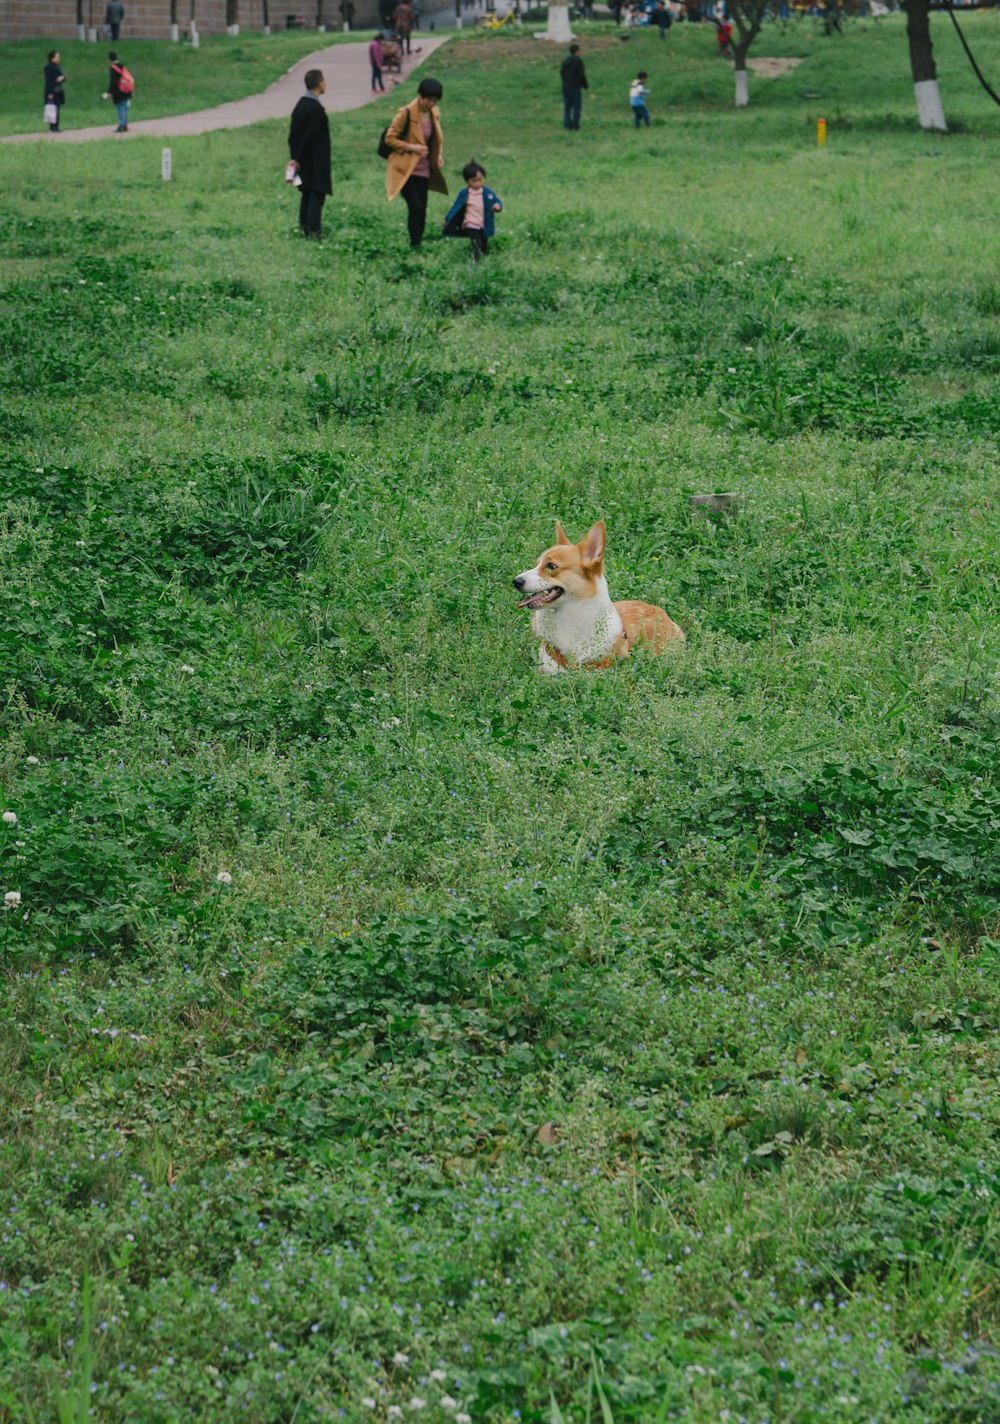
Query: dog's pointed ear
(592, 545)
(560, 534)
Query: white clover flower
(10, 818)
(439, 1375)
(32, 761)
(400, 1359)
(367, 1401)
(224, 877)
(463, 1419)
(447, 1402)
(12, 900)
(186, 667)
(394, 1412)
(416, 1403)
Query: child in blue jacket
(471, 214)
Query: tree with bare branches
(748, 16)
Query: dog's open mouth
(539, 600)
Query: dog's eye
(552, 566)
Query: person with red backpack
(121, 87)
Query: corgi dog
(572, 612)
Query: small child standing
(471, 214)
(637, 98)
(376, 59)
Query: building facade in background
(152, 19)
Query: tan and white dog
(572, 612)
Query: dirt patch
(772, 68)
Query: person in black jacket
(54, 91)
(574, 80)
(122, 98)
(309, 147)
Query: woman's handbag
(50, 114)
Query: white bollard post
(167, 165)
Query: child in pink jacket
(377, 59)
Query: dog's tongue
(539, 600)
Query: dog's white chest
(584, 631)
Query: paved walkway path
(348, 86)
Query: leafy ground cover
(387, 1029)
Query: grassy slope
(170, 78)
(638, 1028)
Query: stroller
(392, 53)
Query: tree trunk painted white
(742, 89)
(558, 30)
(195, 37)
(267, 29)
(92, 36)
(81, 32)
(175, 34)
(930, 110)
(232, 29)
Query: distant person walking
(416, 160)
(309, 151)
(403, 21)
(55, 93)
(121, 87)
(113, 17)
(574, 81)
(637, 96)
(662, 18)
(377, 59)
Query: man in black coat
(574, 79)
(309, 146)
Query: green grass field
(389, 1031)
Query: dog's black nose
(519, 581)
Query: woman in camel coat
(416, 160)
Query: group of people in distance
(121, 87)
(415, 145)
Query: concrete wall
(150, 19)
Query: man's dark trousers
(311, 211)
(572, 105)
